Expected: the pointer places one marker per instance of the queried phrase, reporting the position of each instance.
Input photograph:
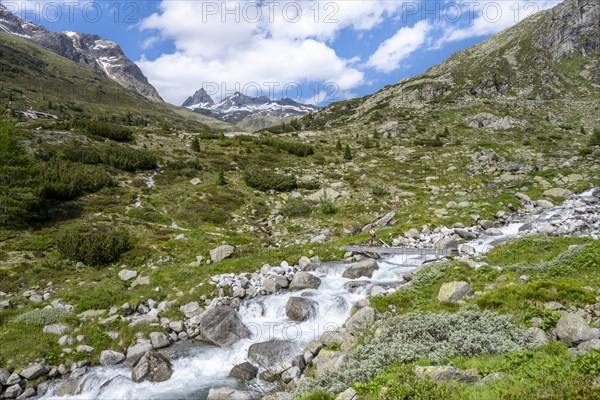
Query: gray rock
(273, 285)
(587, 346)
(4, 374)
(12, 392)
(454, 291)
(272, 352)
(361, 321)
(159, 340)
(28, 393)
(82, 348)
(66, 340)
(177, 326)
(558, 192)
(43, 388)
(348, 394)
(465, 234)
(56, 329)
(572, 329)
(290, 374)
(304, 280)
(141, 281)
(127, 275)
(304, 262)
(110, 357)
(225, 393)
(135, 353)
(5, 304)
(361, 268)
(537, 335)
(34, 371)
(244, 372)
(191, 309)
(300, 308)
(447, 373)
(13, 379)
(152, 367)
(221, 326)
(493, 377)
(222, 252)
(328, 360)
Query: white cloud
(285, 42)
(491, 17)
(394, 50)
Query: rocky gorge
(267, 327)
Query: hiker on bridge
(373, 234)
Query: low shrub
(268, 180)
(290, 146)
(101, 297)
(75, 152)
(296, 208)
(110, 131)
(127, 158)
(595, 138)
(43, 316)
(64, 180)
(95, 246)
(416, 336)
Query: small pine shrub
(44, 316)
(595, 139)
(64, 180)
(379, 191)
(93, 247)
(290, 146)
(327, 207)
(195, 145)
(106, 130)
(268, 180)
(296, 208)
(347, 153)
(75, 152)
(127, 158)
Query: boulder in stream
(222, 326)
(152, 367)
(361, 268)
(300, 308)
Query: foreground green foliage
(95, 246)
(43, 316)
(107, 130)
(414, 336)
(64, 180)
(267, 180)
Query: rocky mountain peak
(103, 56)
(199, 98)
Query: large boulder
(222, 252)
(558, 192)
(221, 326)
(191, 309)
(225, 393)
(573, 329)
(361, 268)
(34, 371)
(300, 308)
(110, 357)
(454, 291)
(304, 280)
(135, 352)
(272, 352)
(329, 360)
(447, 373)
(159, 340)
(361, 321)
(152, 367)
(244, 372)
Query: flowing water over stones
(273, 337)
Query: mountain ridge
(238, 107)
(103, 56)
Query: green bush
(44, 316)
(127, 158)
(100, 298)
(595, 138)
(408, 338)
(296, 208)
(95, 246)
(64, 180)
(268, 180)
(327, 207)
(110, 131)
(293, 147)
(75, 152)
(21, 192)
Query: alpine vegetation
(435, 336)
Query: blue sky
(312, 51)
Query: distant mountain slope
(251, 112)
(103, 56)
(547, 66)
(33, 76)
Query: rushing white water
(198, 367)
